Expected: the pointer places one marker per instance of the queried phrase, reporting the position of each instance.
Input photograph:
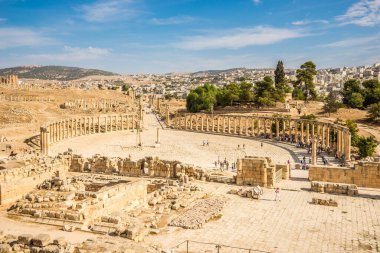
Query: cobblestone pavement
(290, 225)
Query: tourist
(238, 146)
(262, 144)
(277, 192)
(243, 146)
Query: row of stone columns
(69, 128)
(325, 135)
(92, 103)
(24, 98)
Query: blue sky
(160, 36)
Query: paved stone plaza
(291, 225)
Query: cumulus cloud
(21, 37)
(73, 54)
(362, 13)
(238, 38)
(172, 20)
(107, 10)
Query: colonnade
(73, 127)
(326, 136)
(94, 103)
(19, 98)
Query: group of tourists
(225, 165)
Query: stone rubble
(201, 212)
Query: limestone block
(25, 239)
(5, 248)
(41, 240)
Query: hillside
(53, 72)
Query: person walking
(277, 196)
(262, 145)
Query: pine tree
(279, 74)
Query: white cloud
(73, 54)
(106, 10)
(256, 2)
(172, 20)
(308, 22)
(20, 37)
(353, 42)
(362, 13)
(239, 38)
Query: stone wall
(15, 182)
(260, 171)
(364, 174)
(152, 167)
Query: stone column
(235, 125)
(253, 126)
(302, 133)
(328, 136)
(338, 138)
(312, 130)
(212, 123)
(240, 125)
(167, 116)
(229, 125)
(296, 131)
(270, 129)
(347, 150)
(277, 128)
(307, 133)
(283, 128)
(202, 123)
(258, 127)
(133, 123)
(323, 136)
(158, 135)
(246, 126)
(314, 151)
(265, 127)
(71, 128)
(218, 124)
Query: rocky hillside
(53, 72)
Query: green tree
(125, 87)
(279, 74)
(305, 76)
(366, 146)
(332, 103)
(356, 100)
(374, 111)
(354, 130)
(351, 86)
(298, 94)
(246, 92)
(201, 98)
(371, 92)
(264, 91)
